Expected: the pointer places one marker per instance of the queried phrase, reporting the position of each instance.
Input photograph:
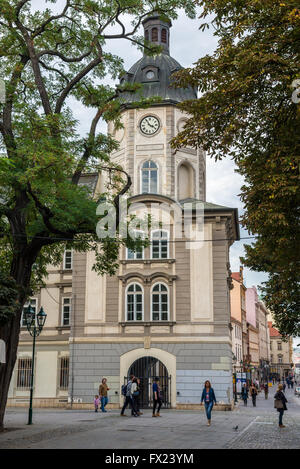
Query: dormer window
(150, 73)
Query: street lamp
(34, 323)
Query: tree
(49, 59)
(249, 110)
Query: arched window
(139, 252)
(160, 302)
(134, 302)
(154, 35)
(164, 35)
(159, 244)
(149, 178)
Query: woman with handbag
(280, 404)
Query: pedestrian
(103, 388)
(253, 394)
(292, 383)
(136, 396)
(209, 398)
(284, 386)
(96, 402)
(266, 389)
(245, 394)
(280, 404)
(128, 397)
(157, 400)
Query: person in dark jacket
(253, 393)
(280, 404)
(209, 398)
(245, 394)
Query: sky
(187, 45)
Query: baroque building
(166, 312)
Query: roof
(273, 332)
(160, 85)
(236, 276)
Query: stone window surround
(147, 282)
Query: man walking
(128, 398)
(156, 398)
(103, 388)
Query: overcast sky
(187, 44)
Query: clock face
(149, 125)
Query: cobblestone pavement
(58, 428)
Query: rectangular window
(24, 373)
(279, 358)
(64, 373)
(66, 312)
(33, 304)
(68, 260)
(279, 346)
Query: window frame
(64, 261)
(151, 301)
(126, 302)
(149, 180)
(62, 310)
(27, 372)
(168, 247)
(135, 252)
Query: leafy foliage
(245, 111)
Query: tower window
(149, 177)
(164, 35)
(154, 35)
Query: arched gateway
(147, 368)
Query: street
(59, 428)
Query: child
(96, 402)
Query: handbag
(278, 404)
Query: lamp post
(234, 367)
(34, 323)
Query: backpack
(124, 389)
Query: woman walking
(209, 398)
(280, 404)
(245, 394)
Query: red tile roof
(236, 276)
(273, 332)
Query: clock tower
(144, 150)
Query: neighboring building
(238, 319)
(167, 310)
(281, 354)
(253, 331)
(264, 341)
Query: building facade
(281, 354)
(166, 312)
(239, 320)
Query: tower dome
(155, 73)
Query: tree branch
(77, 78)
(41, 29)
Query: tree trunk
(21, 272)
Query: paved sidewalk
(58, 428)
